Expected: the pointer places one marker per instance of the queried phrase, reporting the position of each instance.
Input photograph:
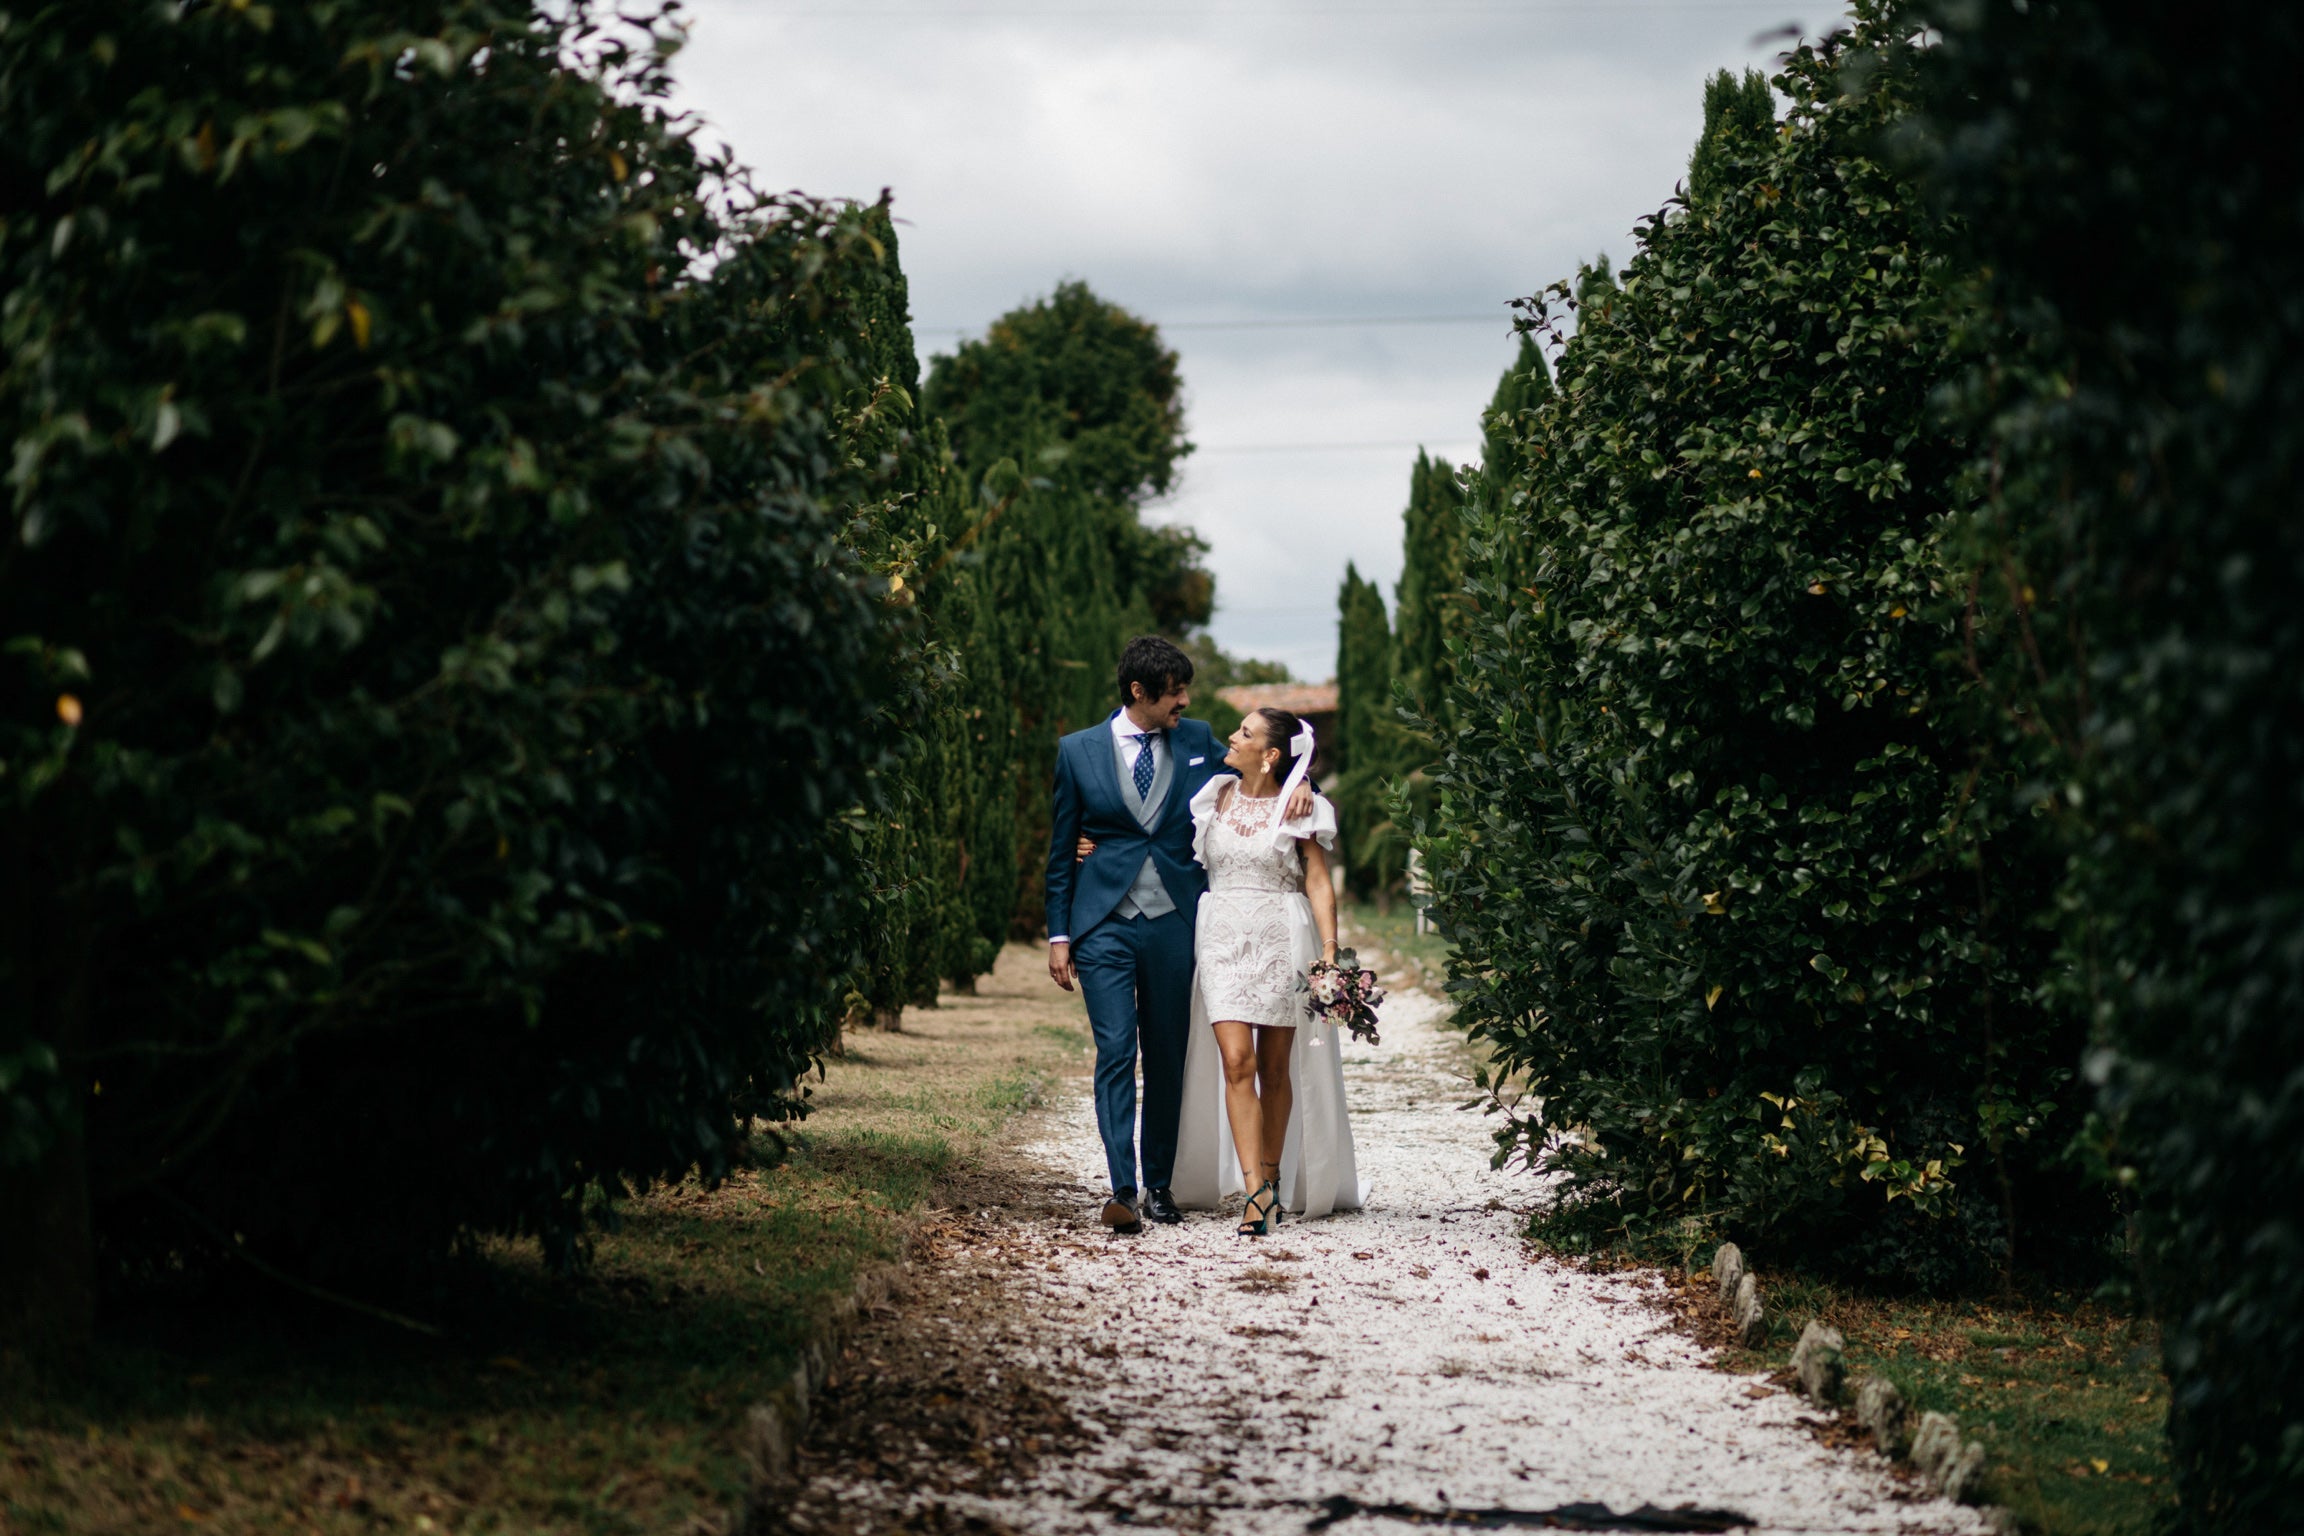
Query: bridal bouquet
(1344, 994)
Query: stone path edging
(775, 1425)
(1933, 1450)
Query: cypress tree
(1431, 575)
(1363, 701)
(1739, 117)
(1379, 671)
(1522, 387)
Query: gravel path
(1364, 1373)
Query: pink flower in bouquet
(1344, 995)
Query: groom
(1120, 922)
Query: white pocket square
(1196, 762)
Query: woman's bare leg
(1234, 1041)
(1278, 1093)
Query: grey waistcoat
(1148, 897)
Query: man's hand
(1060, 965)
(1085, 848)
(1299, 803)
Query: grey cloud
(1217, 163)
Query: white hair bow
(1301, 747)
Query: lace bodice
(1245, 822)
(1242, 854)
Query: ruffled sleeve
(1204, 814)
(1319, 822)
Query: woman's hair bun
(1280, 727)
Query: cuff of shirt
(1058, 938)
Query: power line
(1326, 321)
(1307, 323)
(1324, 12)
(1399, 447)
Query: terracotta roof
(1296, 698)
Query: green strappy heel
(1258, 1221)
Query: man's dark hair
(1156, 663)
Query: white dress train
(1252, 878)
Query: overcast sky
(1207, 164)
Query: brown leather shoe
(1121, 1215)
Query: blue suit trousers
(1136, 977)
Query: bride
(1271, 1120)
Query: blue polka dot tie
(1144, 765)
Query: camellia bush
(434, 677)
(1746, 920)
(2136, 391)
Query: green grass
(606, 1403)
(600, 1404)
(1423, 955)
(2066, 1395)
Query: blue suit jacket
(1089, 802)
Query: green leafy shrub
(432, 671)
(2138, 397)
(1748, 926)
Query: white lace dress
(1244, 943)
(1253, 937)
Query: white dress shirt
(1124, 742)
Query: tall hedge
(432, 670)
(918, 927)
(1744, 919)
(2136, 215)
